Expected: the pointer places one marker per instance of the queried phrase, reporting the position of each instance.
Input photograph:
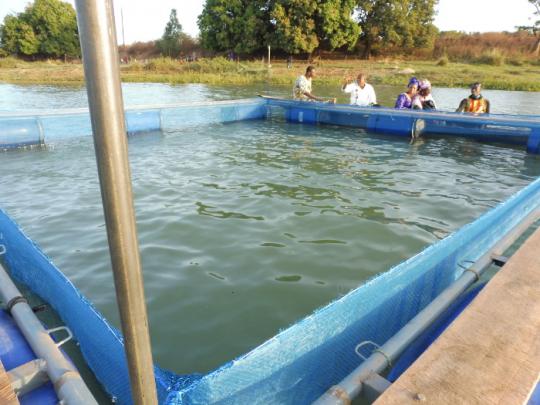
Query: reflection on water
(247, 227)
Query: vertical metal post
(269, 64)
(123, 35)
(95, 19)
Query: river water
(247, 227)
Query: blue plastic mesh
(300, 363)
(23, 130)
(511, 129)
(19, 130)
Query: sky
(144, 20)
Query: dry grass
(523, 76)
(463, 47)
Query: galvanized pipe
(101, 67)
(28, 376)
(68, 384)
(351, 386)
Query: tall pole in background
(97, 33)
(123, 36)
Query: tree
(170, 42)
(46, 28)
(234, 25)
(294, 26)
(17, 37)
(335, 25)
(403, 23)
(534, 28)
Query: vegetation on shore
(220, 71)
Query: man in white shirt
(362, 93)
(302, 87)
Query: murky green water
(247, 227)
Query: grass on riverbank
(441, 73)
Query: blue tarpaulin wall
(301, 362)
(25, 129)
(509, 129)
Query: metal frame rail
(51, 363)
(365, 379)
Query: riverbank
(525, 76)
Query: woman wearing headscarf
(405, 100)
(423, 100)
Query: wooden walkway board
(7, 396)
(491, 353)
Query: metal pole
(95, 19)
(123, 36)
(350, 387)
(269, 64)
(68, 384)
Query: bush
(215, 65)
(516, 62)
(492, 57)
(8, 63)
(163, 65)
(134, 66)
(443, 61)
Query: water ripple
(252, 218)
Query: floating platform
(491, 353)
(7, 395)
(509, 129)
(42, 127)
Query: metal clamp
(470, 269)
(14, 301)
(463, 262)
(365, 343)
(59, 328)
(376, 350)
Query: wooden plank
(7, 396)
(491, 353)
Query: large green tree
(335, 25)
(171, 41)
(234, 25)
(18, 37)
(400, 23)
(47, 28)
(294, 26)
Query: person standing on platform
(362, 93)
(302, 88)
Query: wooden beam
(7, 396)
(491, 353)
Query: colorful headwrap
(424, 84)
(413, 82)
